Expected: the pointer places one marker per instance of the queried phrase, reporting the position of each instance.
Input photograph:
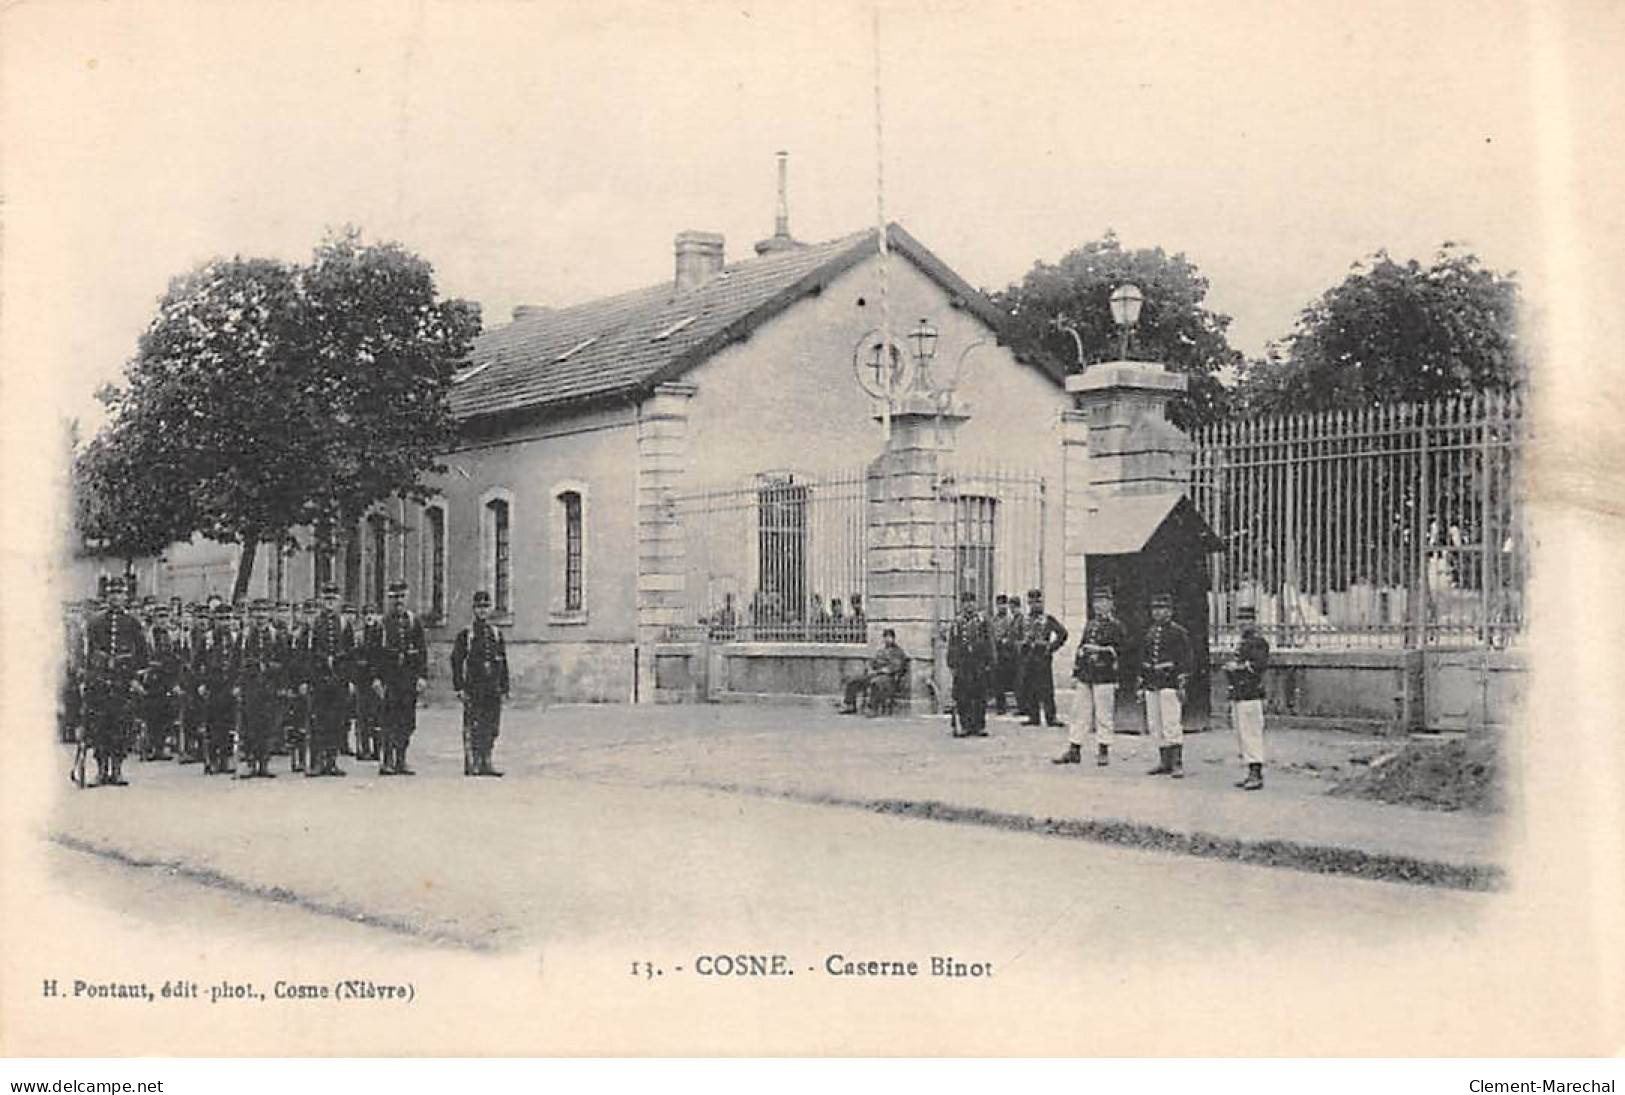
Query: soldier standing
(1041, 636)
(258, 666)
(295, 679)
(1096, 667)
(403, 672)
(1165, 668)
(479, 674)
(1005, 633)
(970, 659)
(190, 705)
(116, 654)
(163, 685)
(368, 648)
(1246, 680)
(327, 650)
(211, 669)
(352, 703)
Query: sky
(547, 153)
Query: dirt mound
(1445, 775)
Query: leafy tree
(118, 506)
(269, 396)
(1395, 332)
(1175, 328)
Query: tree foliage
(266, 396)
(1395, 332)
(1175, 327)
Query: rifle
(468, 746)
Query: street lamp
(1126, 301)
(924, 340)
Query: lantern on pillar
(1126, 300)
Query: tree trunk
(245, 568)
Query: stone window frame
(426, 563)
(559, 611)
(499, 613)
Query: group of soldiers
(231, 686)
(1008, 655)
(1012, 650)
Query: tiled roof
(609, 347)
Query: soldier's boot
(386, 759)
(1163, 766)
(116, 768)
(484, 766)
(1102, 756)
(101, 769)
(1176, 766)
(400, 761)
(1073, 755)
(1254, 780)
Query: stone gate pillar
(1133, 448)
(662, 554)
(908, 564)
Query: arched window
(377, 558)
(434, 560)
(496, 537)
(568, 545)
(570, 505)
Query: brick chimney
(699, 258)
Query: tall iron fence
(1389, 526)
(779, 558)
(782, 558)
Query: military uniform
(212, 671)
(479, 673)
(1245, 675)
(259, 663)
(364, 676)
(1165, 667)
(115, 656)
(296, 693)
(1041, 636)
(163, 685)
(327, 648)
(191, 705)
(887, 668)
(403, 662)
(1006, 652)
(971, 660)
(1097, 667)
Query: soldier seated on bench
(881, 681)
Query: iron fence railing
(1397, 525)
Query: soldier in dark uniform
(1096, 667)
(163, 685)
(115, 656)
(479, 674)
(189, 705)
(364, 677)
(888, 666)
(1041, 636)
(212, 670)
(1005, 628)
(1245, 674)
(1165, 669)
(328, 644)
(970, 659)
(403, 671)
(258, 667)
(352, 706)
(295, 697)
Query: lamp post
(1126, 301)
(923, 340)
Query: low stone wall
(745, 672)
(1387, 691)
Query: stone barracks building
(671, 493)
